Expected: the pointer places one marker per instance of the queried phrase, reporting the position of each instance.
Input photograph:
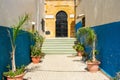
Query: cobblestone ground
(61, 67)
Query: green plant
(78, 47)
(114, 79)
(36, 51)
(16, 30)
(18, 71)
(88, 35)
(39, 39)
(36, 48)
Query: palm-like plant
(89, 37)
(16, 30)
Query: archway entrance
(61, 24)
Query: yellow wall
(52, 7)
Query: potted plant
(90, 39)
(16, 73)
(79, 48)
(36, 49)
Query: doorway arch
(61, 24)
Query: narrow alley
(61, 67)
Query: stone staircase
(58, 46)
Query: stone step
(58, 46)
(59, 52)
(52, 47)
(59, 42)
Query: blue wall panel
(78, 25)
(23, 48)
(5, 49)
(108, 45)
(23, 43)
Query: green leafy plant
(18, 71)
(36, 48)
(89, 37)
(16, 30)
(36, 51)
(78, 47)
(114, 79)
(39, 39)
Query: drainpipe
(74, 16)
(75, 11)
(38, 15)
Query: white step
(59, 46)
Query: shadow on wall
(108, 44)
(22, 52)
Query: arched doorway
(61, 24)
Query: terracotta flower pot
(93, 66)
(79, 53)
(18, 77)
(36, 60)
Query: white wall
(10, 10)
(99, 11)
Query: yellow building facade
(59, 18)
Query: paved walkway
(61, 67)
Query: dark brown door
(61, 24)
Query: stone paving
(61, 67)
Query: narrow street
(61, 67)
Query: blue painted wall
(108, 45)
(78, 25)
(23, 43)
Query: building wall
(52, 7)
(98, 11)
(10, 10)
